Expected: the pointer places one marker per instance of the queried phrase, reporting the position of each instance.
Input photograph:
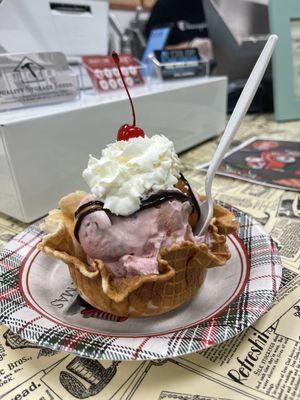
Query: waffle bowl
(182, 267)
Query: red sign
(105, 75)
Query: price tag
(105, 75)
(35, 79)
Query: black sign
(181, 63)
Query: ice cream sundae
(129, 243)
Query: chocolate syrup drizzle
(152, 201)
(90, 203)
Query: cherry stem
(116, 59)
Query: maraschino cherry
(127, 131)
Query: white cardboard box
(43, 150)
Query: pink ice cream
(130, 245)
(129, 234)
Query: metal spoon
(245, 99)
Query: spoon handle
(240, 110)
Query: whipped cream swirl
(131, 170)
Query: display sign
(157, 40)
(181, 63)
(105, 75)
(35, 79)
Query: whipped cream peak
(131, 170)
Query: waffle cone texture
(182, 267)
